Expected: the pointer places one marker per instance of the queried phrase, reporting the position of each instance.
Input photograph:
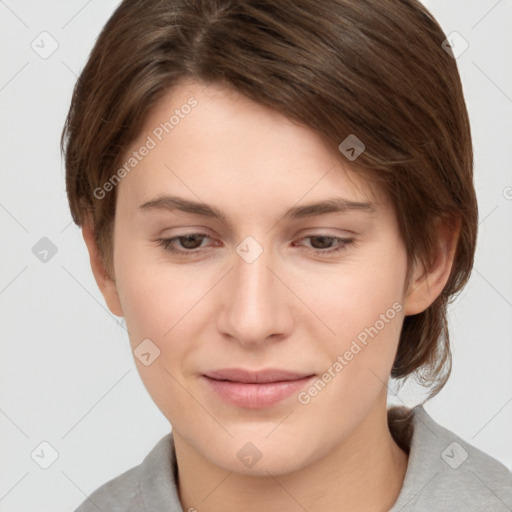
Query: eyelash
(166, 243)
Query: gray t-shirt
(444, 474)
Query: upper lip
(247, 376)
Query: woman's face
(273, 284)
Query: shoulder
(116, 495)
(445, 472)
(143, 487)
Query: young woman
(277, 196)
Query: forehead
(211, 142)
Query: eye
(189, 242)
(325, 242)
(189, 245)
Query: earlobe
(427, 285)
(105, 283)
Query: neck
(364, 473)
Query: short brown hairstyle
(373, 68)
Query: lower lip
(256, 396)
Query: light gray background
(67, 374)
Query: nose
(257, 305)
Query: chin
(258, 456)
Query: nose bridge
(255, 307)
(254, 279)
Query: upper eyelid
(315, 230)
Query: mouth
(256, 389)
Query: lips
(255, 389)
(262, 376)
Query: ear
(105, 283)
(427, 285)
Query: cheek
(363, 308)
(354, 297)
(155, 303)
(154, 296)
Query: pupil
(326, 240)
(190, 239)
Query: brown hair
(373, 68)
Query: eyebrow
(331, 205)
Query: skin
(291, 308)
